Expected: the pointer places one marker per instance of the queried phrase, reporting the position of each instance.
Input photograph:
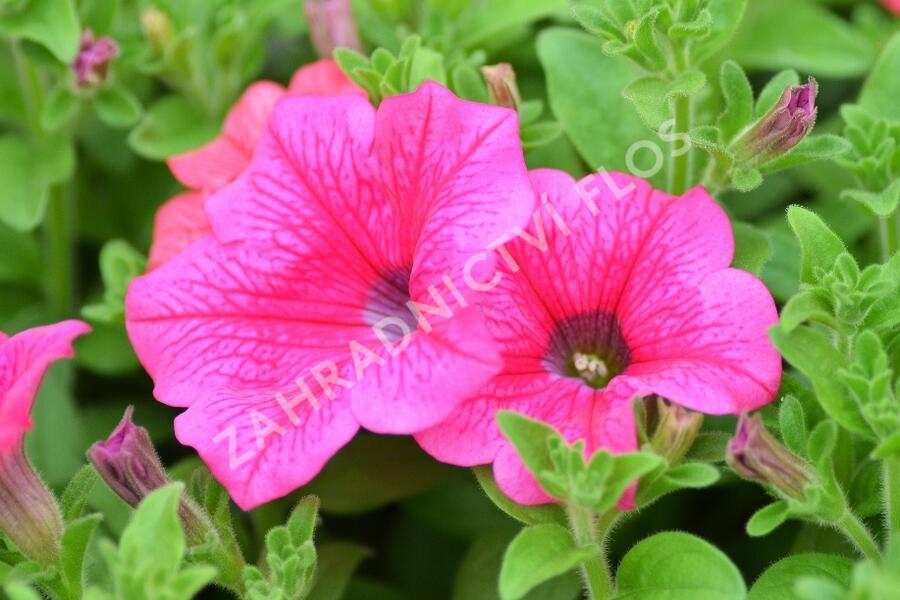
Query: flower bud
(501, 83)
(92, 62)
(29, 515)
(331, 26)
(675, 432)
(781, 128)
(157, 29)
(756, 454)
(130, 466)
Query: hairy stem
(891, 489)
(59, 241)
(595, 571)
(852, 527)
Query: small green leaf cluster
(119, 264)
(874, 159)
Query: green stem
(680, 164)
(59, 242)
(856, 532)
(891, 487)
(596, 573)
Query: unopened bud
(781, 128)
(756, 454)
(331, 26)
(130, 466)
(29, 515)
(157, 29)
(676, 430)
(501, 83)
(91, 65)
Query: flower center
(387, 299)
(589, 347)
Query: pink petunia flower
(29, 515)
(207, 169)
(23, 360)
(616, 290)
(892, 5)
(290, 326)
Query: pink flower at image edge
(641, 293)
(207, 169)
(24, 358)
(344, 214)
(892, 5)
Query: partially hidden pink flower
(892, 5)
(92, 61)
(289, 326)
(23, 360)
(637, 299)
(207, 169)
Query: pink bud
(501, 83)
(331, 26)
(756, 454)
(29, 515)
(92, 62)
(782, 127)
(130, 466)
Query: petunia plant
(451, 299)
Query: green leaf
(171, 126)
(811, 352)
(530, 515)
(738, 100)
(773, 90)
(692, 475)
(116, 106)
(75, 496)
(468, 84)
(678, 566)
(154, 534)
(652, 96)
(819, 245)
(792, 423)
(882, 88)
(811, 148)
(709, 447)
(767, 519)
(745, 180)
(883, 203)
(427, 65)
(17, 590)
(51, 23)
(59, 108)
(337, 562)
(530, 438)
(540, 134)
(807, 305)
(800, 35)
(74, 546)
(488, 18)
(726, 16)
(752, 248)
(537, 554)
(371, 472)
(779, 581)
(601, 123)
(24, 197)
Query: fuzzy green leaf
(537, 554)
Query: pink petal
(220, 161)
(712, 354)
(178, 222)
(24, 358)
(422, 385)
(256, 449)
(322, 78)
(455, 176)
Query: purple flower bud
(756, 454)
(675, 432)
(92, 63)
(29, 515)
(782, 127)
(501, 83)
(130, 466)
(331, 26)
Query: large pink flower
(23, 360)
(636, 299)
(207, 169)
(288, 328)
